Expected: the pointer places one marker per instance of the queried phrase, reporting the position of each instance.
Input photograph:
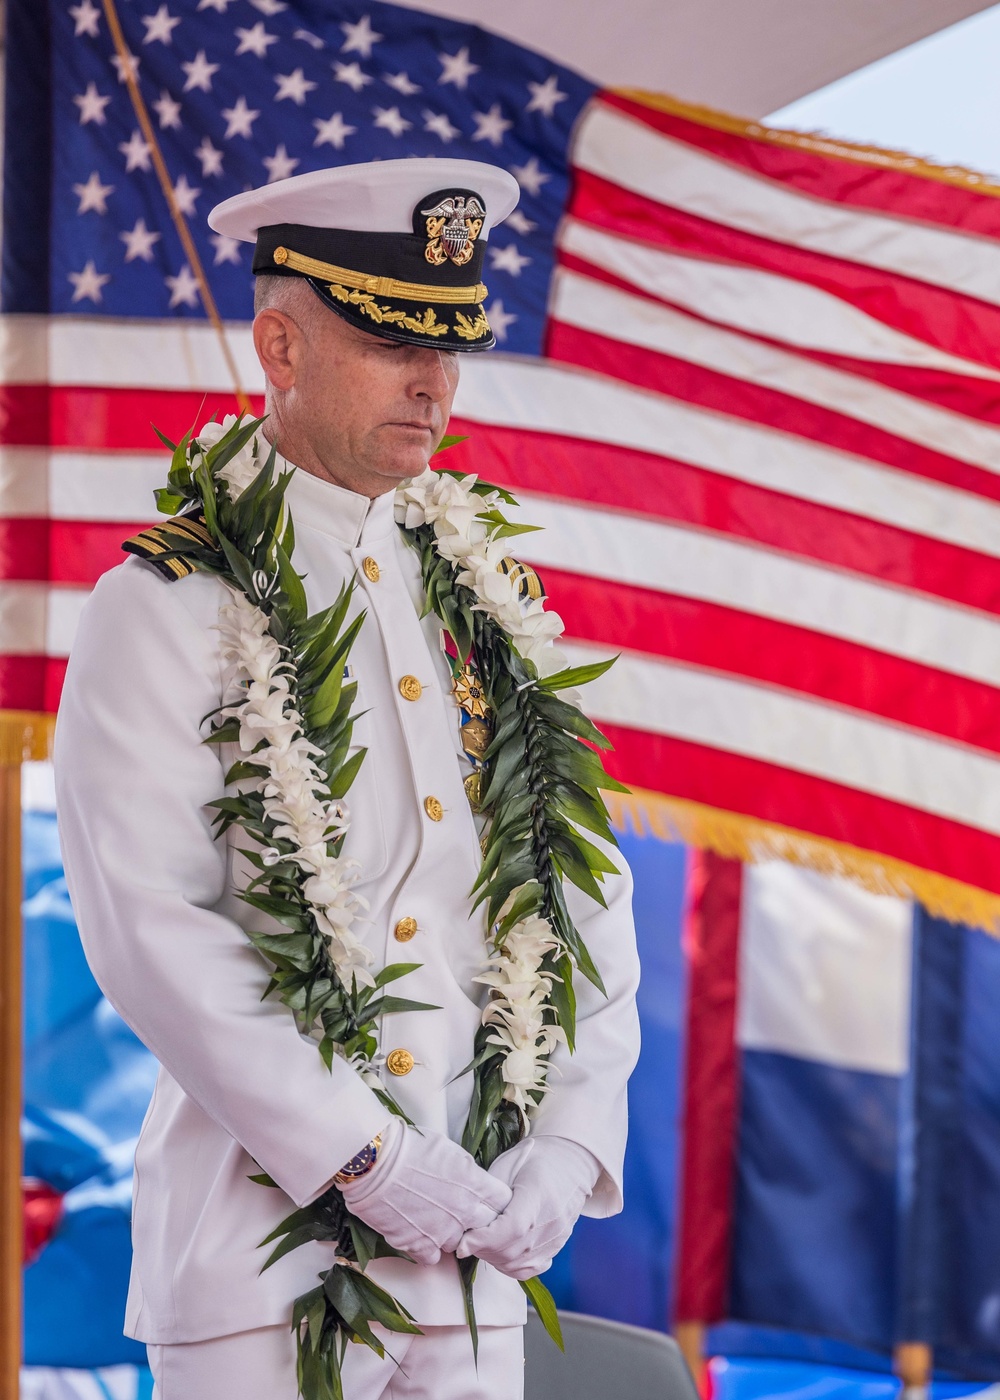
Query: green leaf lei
(543, 784)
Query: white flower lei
(297, 801)
(466, 540)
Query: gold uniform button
(399, 1062)
(405, 930)
(433, 808)
(371, 569)
(410, 688)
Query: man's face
(371, 410)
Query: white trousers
(260, 1365)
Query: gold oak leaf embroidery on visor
(428, 324)
(472, 330)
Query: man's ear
(276, 338)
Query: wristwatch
(361, 1164)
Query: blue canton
(244, 92)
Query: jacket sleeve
(587, 1101)
(145, 875)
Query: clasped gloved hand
(424, 1193)
(552, 1179)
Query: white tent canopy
(746, 56)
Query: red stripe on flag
(659, 488)
(98, 419)
(728, 642)
(782, 412)
(733, 783)
(838, 179)
(710, 1115)
(31, 683)
(62, 551)
(24, 414)
(960, 324)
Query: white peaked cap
(377, 197)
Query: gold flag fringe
(748, 839)
(25, 736)
(816, 142)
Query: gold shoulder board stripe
(159, 543)
(529, 585)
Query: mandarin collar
(333, 510)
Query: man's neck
(299, 452)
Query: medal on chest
(474, 716)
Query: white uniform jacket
(163, 930)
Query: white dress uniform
(239, 1088)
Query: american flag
(747, 380)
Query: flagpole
(23, 736)
(913, 1364)
(11, 1229)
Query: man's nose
(434, 375)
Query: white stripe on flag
(22, 618)
(102, 351)
(628, 153)
(80, 485)
(760, 303)
(38, 618)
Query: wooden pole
(690, 1337)
(22, 736)
(11, 1230)
(913, 1363)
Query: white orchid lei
(287, 709)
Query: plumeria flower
(240, 470)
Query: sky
(939, 99)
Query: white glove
(552, 1179)
(424, 1192)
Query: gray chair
(603, 1361)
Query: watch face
(359, 1164)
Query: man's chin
(403, 465)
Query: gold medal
(474, 789)
(469, 693)
(476, 735)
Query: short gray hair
(284, 293)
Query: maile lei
(287, 708)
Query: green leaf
(467, 1272)
(340, 785)
(577, 675)
(545, 1306)
(167, 502)
(291, 585)
(388, 1006)
(450, 440)
(394, 971)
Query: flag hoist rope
(167, 185)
